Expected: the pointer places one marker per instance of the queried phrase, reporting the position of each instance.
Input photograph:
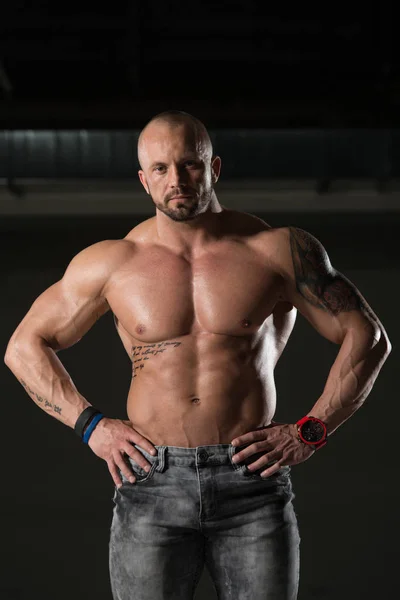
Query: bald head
(178, 169)
(170, 120)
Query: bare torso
(204, 332)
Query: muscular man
(204, 300)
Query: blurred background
(303, 107)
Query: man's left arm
(338, 311)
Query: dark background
(241, 67)
(238, 63)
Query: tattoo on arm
(317, 281)
(140, 354)
(39, 400)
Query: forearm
(39, 370)
(351, 377)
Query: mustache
(180, 193)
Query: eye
(190, 163)
(159, 168)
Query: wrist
(87, 422)
(97, 431)
(312, 432)
(92, 427)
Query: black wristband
(83, 419)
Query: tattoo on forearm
(140, 354)
(39, 400)
(316, 280)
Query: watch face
(312, 431)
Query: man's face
(177, 170)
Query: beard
(185, 209)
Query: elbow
(11, 352)
(20, 346)
(10, 358)
(388, 346)
(12, 355)
(7, 359)
(384, 343)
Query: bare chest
(159, 295)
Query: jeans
(197, 507)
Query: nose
(177, 176)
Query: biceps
(333, 305)
(322, 294)
(61, 319)
(330, 292)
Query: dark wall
(57, 495)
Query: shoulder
(288, 248)
(110, 254)
(247, 222)
(143, 232)
(298, 254)
(104, 252)
(90, 270)
(304, 246)
(290, 236)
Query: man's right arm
(57, 319)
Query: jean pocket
(140, 474)
(279, 477)
(243, 471)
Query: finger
(246, 438)
(124, 468)
(114, 473)
(263, 461)
(138, 457)
(253, 449)
(141, 441)
(271, 470)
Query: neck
(190, 236)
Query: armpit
(284, 318)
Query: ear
(215, 168)
(143, 181)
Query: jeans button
(203, 455)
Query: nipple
(245, 323)
(140, 329)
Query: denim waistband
(211, 455)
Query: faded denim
(196, 507)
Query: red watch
(312, 431)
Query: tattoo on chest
(140, 354)
(316, 280)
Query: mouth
(180, 197)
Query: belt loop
(161, 458)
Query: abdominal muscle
(198, 390)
